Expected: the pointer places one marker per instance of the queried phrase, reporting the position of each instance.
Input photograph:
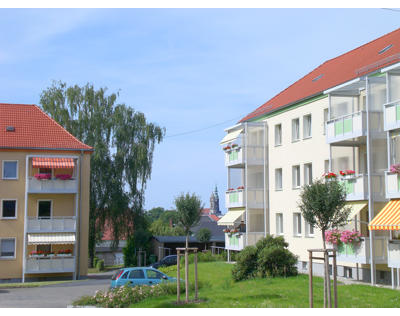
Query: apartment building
(44, 195)
(342, 116)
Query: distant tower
(214, 202)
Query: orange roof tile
(353, 64)
(34, 129)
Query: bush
(129, 254)
(95, 260)
(269, 258)
(100, 265)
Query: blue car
(139, 276)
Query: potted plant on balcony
(330, 176)
(347, 173)
(50, 254)
(227, 148)
(395, 168)
(43, 176)
(63, 177)
(241, 187)
(36, 254)
(64, 253)
(343, 240)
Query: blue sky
(186, 69)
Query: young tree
(323, 205)
(121, 164)
(204, 236)
(188, 209)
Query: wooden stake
(196, 292)
(328, 279)
(178, 278)
(187, 274)
(310, 280)
(335, 278)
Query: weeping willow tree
(121, 164)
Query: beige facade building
(343, 116)
(44, 195)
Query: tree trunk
(325, 274)
(187, 240)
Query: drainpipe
(266, 215)
(370, 194)
(25, 219)
(78, 219)
(246, 182)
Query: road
(57, 295)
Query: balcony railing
(391, 115)
(235, 241)
(234, 157)
(346, 127)
(50, 265)
(360, 252)
(235, 198)
(356, 187)
(394, 254)
(53, 224)
(52, 186)
(392, 181)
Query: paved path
(57, 295)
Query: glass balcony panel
(392, 185)
(394, 254)
(49, 265)
(346, 127)
(54, 224)
(392, 116)
(360, 252)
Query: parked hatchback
(165, 262)
(139, 276)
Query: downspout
(246, 182)
(78, 219)
(266, 190)
(25, 219)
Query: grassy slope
(221, 291)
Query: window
(10, 169)
(44, 248)
(295, 130)
(296, 224)
(309, 230)
(307, 126)
(296, 176)
(136, 274)
(278, 134)
(326, 112)
(153, 274)
(7, 248)
(45, 170)
(125, 276)
(278, 179)
(9, 208)
(307, 173)
(279, 224)
(44, 209)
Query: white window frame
(293, 130)
(51, 207)
(308, 180)
(296, 184)
(279, 224)
(297, 224)
(278, 127)
(16, 209)
(310, 230)
(276, 179)
(326, 165)
(305, 125)
(325, 118)
(15, 249)
(2, 170)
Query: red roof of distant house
(353, 64)
(207, 211)
(34, 129)
(214, 217)
(108, 233)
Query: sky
(186, 69)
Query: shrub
(95, 260)
(100, 265)
(270, 257)
(129, 254)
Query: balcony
(54, 224)
(235, 198)
(52, 186)
(50, 265)
(356, 187)
(394, 254)
(234, 157)
(360, 253)
(346, 127)
(391, 115)
(392, 182)
(235, 241)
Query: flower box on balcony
(64, 255)
(37, 256)
(43, 176)
(63, 177)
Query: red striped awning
(388, 218)
(52, 163)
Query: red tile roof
(34, 129)
(214, 217)
(353, 64)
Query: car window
(125, 275)
(152, 274)
(136, 274)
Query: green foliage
(188, 209)
(154, 213)
(100, 265)
(95, 259)
(118, 177)
(129, 253)
(269, 258)
(203, 235)
(322, 204)
(202, 257)
(160, 228)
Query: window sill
(8, 218)
(297, 236)
(277, 145)
(295, 140)
(308, 137)
(7, 258)
(310, 236)
(296, 188)
(277, 190)
(9, 178)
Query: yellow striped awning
(47, 239)
(355, 208)
(231, 218)
(388, 218)
(52, 163)
(231, 136)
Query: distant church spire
(214, 202)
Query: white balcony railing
(346, 127)
(356, 187)
(235, 198)
(53, 224)
(360, 252)
(391, 115)
(50, 265)
(394, 253)
(52, 186)
(235, 241)
(392, 182)
(234, 157)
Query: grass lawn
(220, 291)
